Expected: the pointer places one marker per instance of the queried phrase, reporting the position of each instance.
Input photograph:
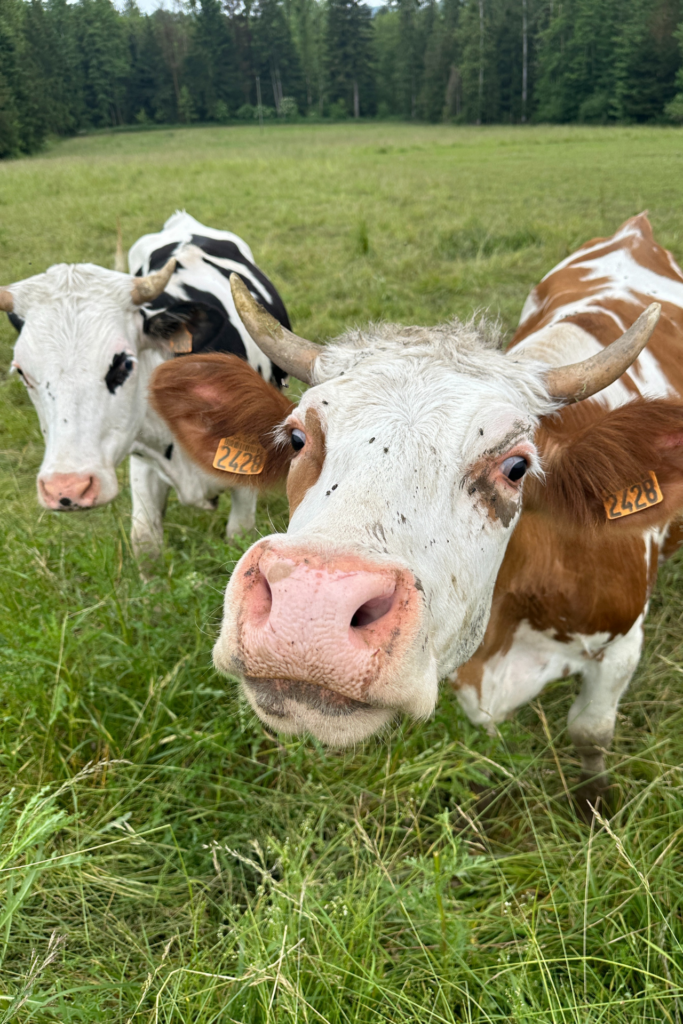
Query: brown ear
(591, 452)
(205, 398)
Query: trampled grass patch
(161, 857)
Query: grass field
(163, 859)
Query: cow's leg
(149, 493)
(243, 511)
(593, 714)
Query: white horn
(6, 301)
(291, 353)
(577, 381)
(119, 258)
(146, 289)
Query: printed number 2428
(236, 460)
(644, 495)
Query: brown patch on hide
(206, 397)
(564, 581)
(571, 284)
(472, 672)
(306, 468)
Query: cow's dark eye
(298, 439)
(514, 468)
(17, 369)
(121, 367)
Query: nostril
(65, 502)
(260, 601)
(371, 611)
(88, 491)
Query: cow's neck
(153, 433)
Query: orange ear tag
(635, 498)
(181, 341)
(243, 456)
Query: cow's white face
(79, 356)
(405, 492)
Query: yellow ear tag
(241, 455)
(181, 341)
(635, 498)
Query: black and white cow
(89, 340)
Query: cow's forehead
(72, 284)
(74, 313)
(426, 394)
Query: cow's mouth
(294, 707)
(66, 505)
(272, 695)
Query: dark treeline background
(66, 68)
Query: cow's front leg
(593, 714)
(149, 493)
(243, 511)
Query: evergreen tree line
(71, 67)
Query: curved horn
(6, 301)
(146, 289)
(291, 353)
(119, 258)
(577, 381)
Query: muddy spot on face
(498, 506)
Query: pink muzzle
(342, 622)
(63, 491)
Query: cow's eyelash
(281, 435)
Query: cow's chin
(295, 708)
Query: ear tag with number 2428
(241, 455)
(635, 498)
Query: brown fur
(307, 466)
(570, 284)
(206, 397)
(589, 452)
(566, 581)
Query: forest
(68, 68)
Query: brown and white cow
(407, 461)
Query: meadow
(164, 859)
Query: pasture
(162, 858)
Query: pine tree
(387, 28)
(349, 56)
(106, 61)
(22, 88)
(576, 61)
(63, 68)
(274, 56)
(307, 26)
(646, 59)
(172, 36)
(211, 68)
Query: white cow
(89, 340)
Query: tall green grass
(163, 859)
